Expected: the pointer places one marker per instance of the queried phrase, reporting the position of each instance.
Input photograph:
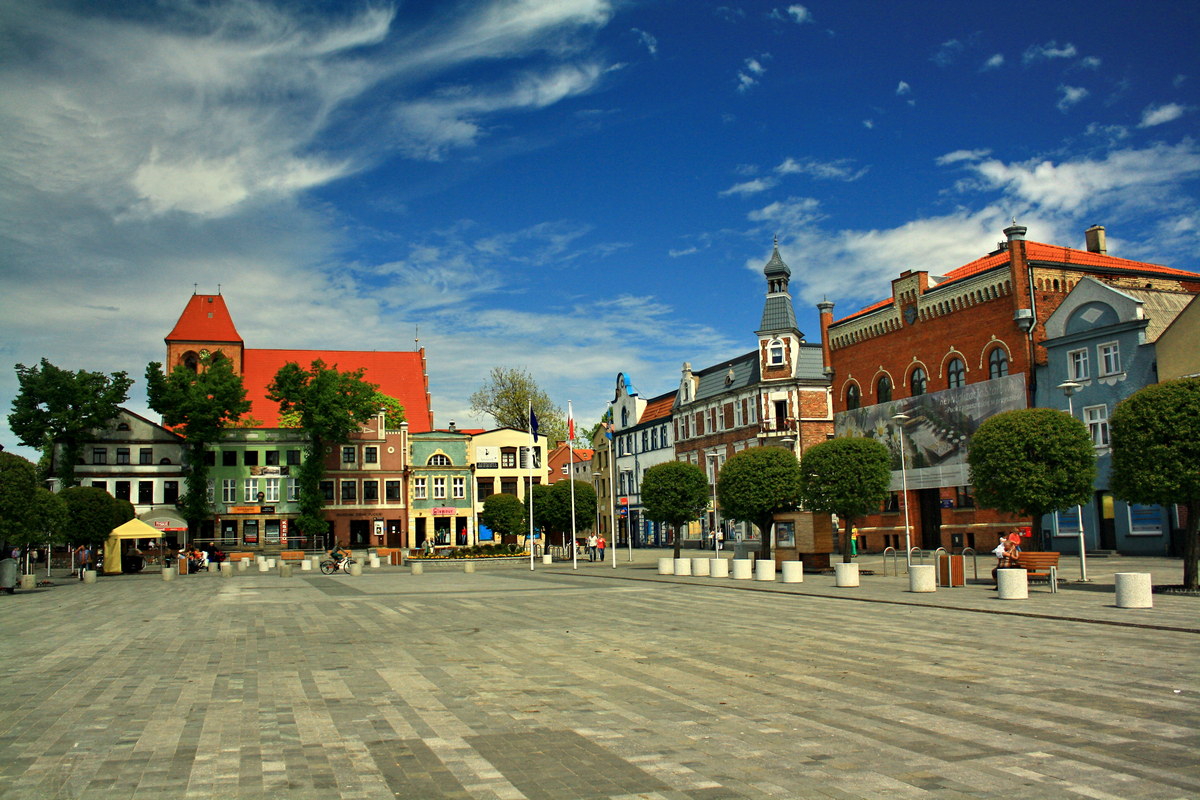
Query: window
(250, 490)
(997, 363)
(883, 389)
(121, 490)
(229, 490)
(170, 492)
(1077, 365)
(100, 485)
(775, 353)
(293, 457)
(347, 455)
(418, 488)
(918, 382)
(272, 458)
(145, 493)
(370, 455)
(370, 491)
(460, 488)
(485, 487)
(210, 458)
(439, 460)
(439, 488)
(564, 469)
(122, 455)
(272, 491)
(391, 490)
(210, 490)
(956, 373)
(327, 491)
(853, 397)
(250, 458)
(292, 491)
(1110, 358)
(146, 455)
(1096, 418)
(963, 497)
(349, 491)
(229, 458)
(508, 458)
(99, 455)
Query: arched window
(438, 460)
(775, 353)
(997, 363)
(956, 373)
(883, 389)
(918, 382)
(624, 417)
(853, 397)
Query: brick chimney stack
(1096, 243)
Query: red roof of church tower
(205, 319)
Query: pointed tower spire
(778, 314)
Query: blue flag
(533, 425)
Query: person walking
(600, 545)
(591, 547)
(83, 556)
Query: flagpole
(532, 439)
(612, 484)
(571, 478)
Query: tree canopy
(506, 396)
(848, 477)
(675, 493)
(755, 485)
(1155, 437)
(90, 513)
(1032, 461)
(552, 506)
(504, 514)
(56, 406)
(18, 488)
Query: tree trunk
(847, 527)
(677, 526)
(765, 526)
(1191, 545)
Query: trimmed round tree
(1032, 461)
(90, 513)
(1156, 456)
(755, 485)
(848, 477)
(504, 514)
(674, 493)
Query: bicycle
(329, 566)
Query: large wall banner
(938, 429)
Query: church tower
(204, 328)
(779, 339)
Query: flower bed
(482, 551)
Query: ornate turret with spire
(779, 339)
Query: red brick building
(937, 339)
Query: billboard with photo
(938, 428)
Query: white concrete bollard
(845, 575)
(28, 582)
(1012, 584)
(270, 563)
(719, 568)
(547, 558)
(469, 567)
(702, 566)
(764, 569)
(356, 568)
(226, 569)
(260, 559)
(683, 566)
(793, 572)
(89, 576)
(416, 567)
(243, 564)
(315, 561)
(666, 566)
(1134, 590)
(285, 569)
(373, 562)
(743, 569)
(263, 567)
(168, 574)
(306, 565)
(922, 578)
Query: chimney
(1094, 236)
(453, 427)
(826, 310)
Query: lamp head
(1069, 387)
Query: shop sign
(444, 512)
(243, 509)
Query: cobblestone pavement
(594, 683)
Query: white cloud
(647, 39)
(994, 62)
(948, 52)
(903, 88)
(752, 71)
(1070, 96)
(842, 169)
(1159, 115)
(869, 124)
(687, 251)
(1045, 52)
(962, 155)
(750, 187)
(1089, 62)
(799, 14)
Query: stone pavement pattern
(510, 684)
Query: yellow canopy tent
(134, 529)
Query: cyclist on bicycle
(339, 554)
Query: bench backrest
(1034, 560)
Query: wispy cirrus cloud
(754, 186)
(1160, 115)
(1047, 52)
(842, 169)
(1070, 96)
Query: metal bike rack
(895, 554)
(949, 569)
(974, 559)
(918, 551)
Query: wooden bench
(292, 555)
(1040, 566)
(240, 557)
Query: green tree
(18, 488)
(506, 396)
(585, 505)
(504, 514)
(51, 519)
(393, 412)
(1031, 462)
(56, 407)
(1155, 456)
(199, 405)
(90, 513)
(675, 493)
(755, 485)
(332, 405)
(848, 477)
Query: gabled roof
(399, 374)
(658, 408)
(205, 318)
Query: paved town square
(597, 683)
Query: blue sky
(573, 187)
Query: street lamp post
(1069, 388)
(900, 419)
(715, 524)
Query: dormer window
(775, 353)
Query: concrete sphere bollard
(469, 567)
(719, 568)
(89, 576)
(922, 578)
(356, 568)
(702, 566)
(666, 566)
(1134, 590)
(743, 569)
(793, 572)
(1012, 584)
(416, 567)
(285, 569)
(764, 569)
(845, 575)
(262, 566)
(168, 574)
(683, 566)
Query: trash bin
(8, 575)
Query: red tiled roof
(1039, 252)
(399, 374)
(658, 408)
(205, 319)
